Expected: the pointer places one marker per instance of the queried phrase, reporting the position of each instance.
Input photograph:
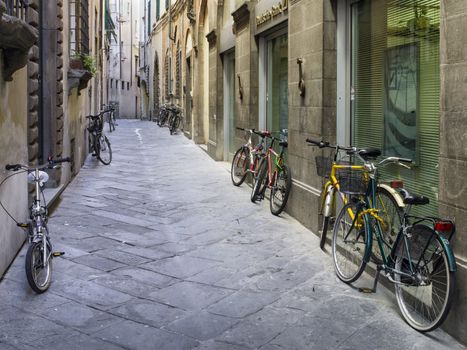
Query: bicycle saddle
(283, 143)
(416, 200)
(369, 153)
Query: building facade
(122, 84)
(372, 73)
(52, 75)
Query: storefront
(389, 85)
(272, 32)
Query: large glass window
(395, 86)
(277, 83)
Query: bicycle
(247, 158)
(110, 112)
(40, 252)
(99, 143)
(275, 175)
(420, 261)
(175, 119)
(387, 200)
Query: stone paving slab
(162, 252)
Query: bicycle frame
(39, 218)
(272, 174)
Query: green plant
(89, 64)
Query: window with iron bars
(16, 8)
(79, 27)
(167, 76)
(178, 71)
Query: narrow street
(162, 252)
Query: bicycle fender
(324, 194)
(449, 252)
(394, 193)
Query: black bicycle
(99, 143)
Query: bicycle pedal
(366, 290)
(57, 254)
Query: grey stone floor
(162, 252)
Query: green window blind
(395, 88)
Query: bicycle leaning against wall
(275, 174)
(419, 261)
(333, 167)
(40, 252)
(247, 158)
(99, 143)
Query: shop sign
(273, 12)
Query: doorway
(229, 105)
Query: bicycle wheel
(280, 190)
(425, 302)
(239, 167)
(38, 272)
(349, 243)
(259, 184)
(105, 151)
(391, 215)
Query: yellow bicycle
(344, 181)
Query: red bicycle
(273, 173)
(247, 157)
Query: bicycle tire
(239, 167)
(105, 151)
(352, 250)
(258, 181)
(391, 214)
(413, 300)
(282, 186)
(34, 263)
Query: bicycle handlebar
(353, 150)
(263, 133)
(50, 163)
(14, 167)
(326, 144)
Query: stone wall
(246, 73)
(13, 143)
(312, 115)
(453, 150)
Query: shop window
(277, 83)
(395, 85)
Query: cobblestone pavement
(162, 252)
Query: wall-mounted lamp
(240, 88)
(301, 81)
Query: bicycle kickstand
(375, 283)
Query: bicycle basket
(418, 244)
(323, 165)
(352, 181)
